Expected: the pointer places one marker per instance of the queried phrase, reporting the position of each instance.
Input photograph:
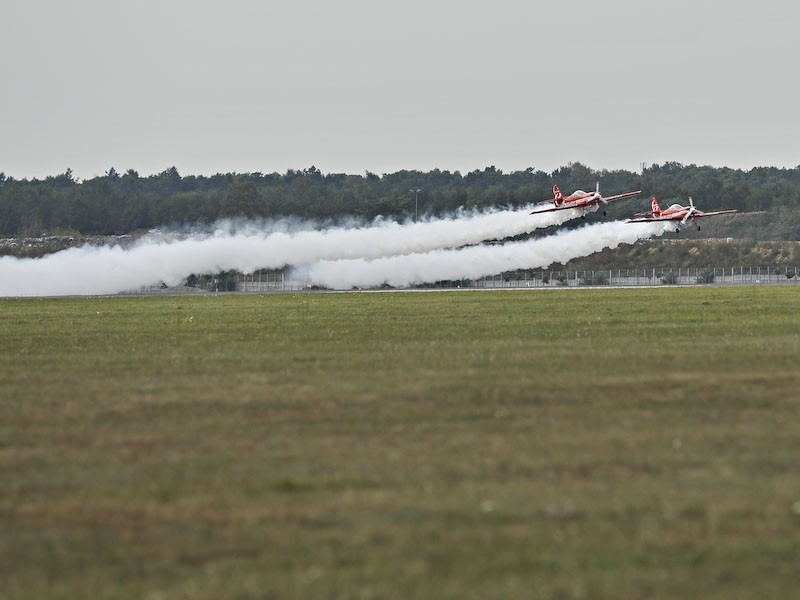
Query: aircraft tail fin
(558, 197)
(654, 207)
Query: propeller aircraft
(680, 215)
(584, 201)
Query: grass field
(552, 444)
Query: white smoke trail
(477, 261)
(388, 238)
(107, 270)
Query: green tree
(242, 200)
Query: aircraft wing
(654, 219)
(711, 214)
(551, 208)
(621, 196)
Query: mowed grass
(528, 444)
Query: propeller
(689, 212)
(597, 193)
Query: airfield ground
(636, 443)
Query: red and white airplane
(680, 215)
(584, 201)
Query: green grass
(547, 444)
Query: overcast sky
(364, 85)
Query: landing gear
(698, 228)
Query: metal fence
(276, 282)
(647, 277)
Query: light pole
(416, 192)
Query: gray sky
(358, 85)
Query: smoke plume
(477, 261)
(90, 270)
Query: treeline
(119, 203)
